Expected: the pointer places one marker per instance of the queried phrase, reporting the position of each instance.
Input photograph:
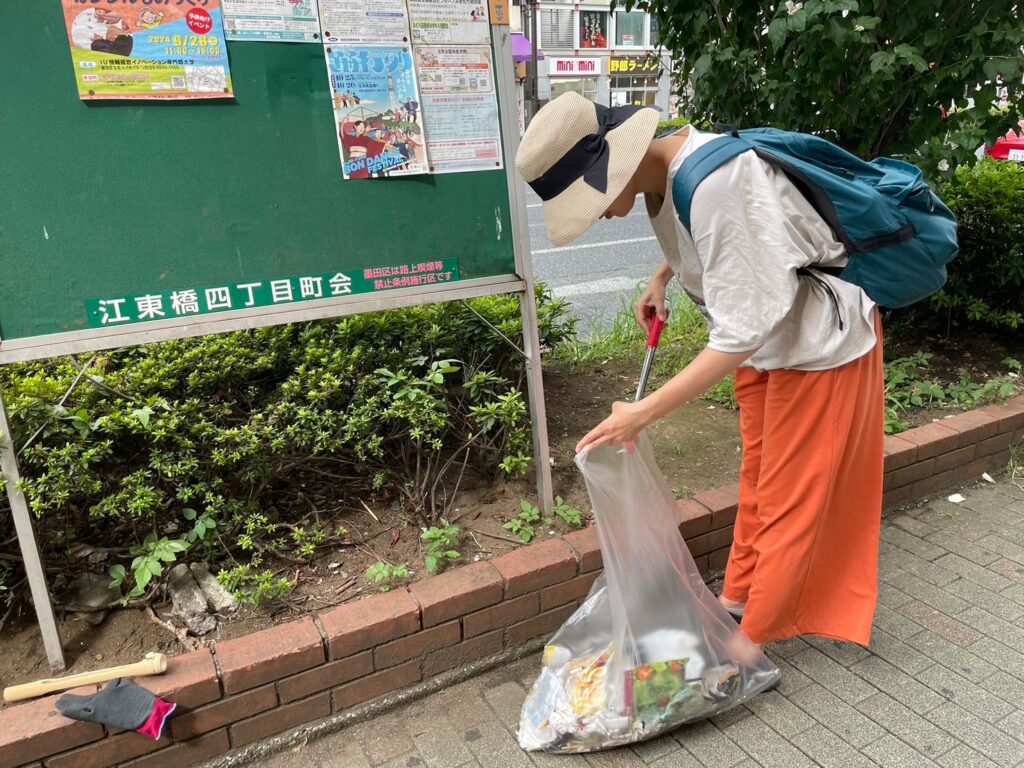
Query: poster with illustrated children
(122, 49)
(463, 127)
(279, 21)
(377, 111)
(435, 22)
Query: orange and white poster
(122, 49)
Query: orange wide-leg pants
(804, 556)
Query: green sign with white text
(184, 302)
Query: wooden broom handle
(151, 664)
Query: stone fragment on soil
(219, 599)
(90, 597)
(189, 601)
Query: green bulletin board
(132, 221)
(242, 197)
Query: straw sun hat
(578, 156)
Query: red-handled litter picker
(653, 336)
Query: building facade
(607, 56)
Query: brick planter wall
(247, 689)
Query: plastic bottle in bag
(650, 647)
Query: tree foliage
(874, 76)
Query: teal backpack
(898, 234)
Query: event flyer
(449, 21)
(463, 127)
(377, 111)
(281, 21)
(364, 21)
(123, 49)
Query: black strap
(588, 158)
(818, 282)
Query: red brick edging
(247, 689)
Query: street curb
(351, 661)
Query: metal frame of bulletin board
(62, 336)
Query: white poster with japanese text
(460, 106)
(449, 21)
(281, 21)
(364, 21)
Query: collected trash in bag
(650, 648)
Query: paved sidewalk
(942, 685)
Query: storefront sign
(558, 67)
(630, 65)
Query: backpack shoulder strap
(699, 166)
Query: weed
(1015, 467)
(522, 526)
(570, 515)
(907, 386)
(250, 585)
(442, 545)
(148, 564)
(386, 575)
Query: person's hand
(651, 301)
(622, 427)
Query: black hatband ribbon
(588, 158)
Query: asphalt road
(598, 272)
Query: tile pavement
(942, 684)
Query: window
(593, 29)
(585, 86)
(629, 29)
(556, 28)
(655, 31)
(640, 91)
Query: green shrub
(669, 125)
(242, 444)
(986, 281)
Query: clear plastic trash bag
(650, 648)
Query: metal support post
(524, 268)
(531, 101)
(27, 542)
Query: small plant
(252, 586)
(522, 526)
(442, 545)
(148, 564)
(306, 542)
(907, 386)
(1015, 467)
(681, 491)
(202, 525)
(570, 515)
(723, 394)
(386, 575)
